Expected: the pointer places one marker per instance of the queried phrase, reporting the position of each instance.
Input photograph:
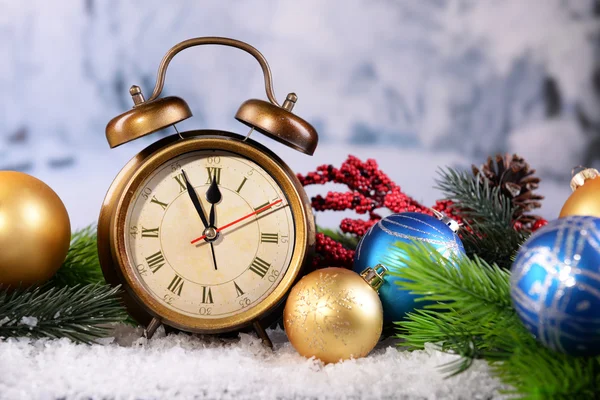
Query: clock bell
(267, 117)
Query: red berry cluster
(446, 206)
(330, 253)
(369, 189)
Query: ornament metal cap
(451, 223)
(580, 177)
(374, 276)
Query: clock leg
(151, 328)
(262, 334)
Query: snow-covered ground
(182, 367)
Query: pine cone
(517, 182)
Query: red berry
(369, 189)
(518, 225)
(538, 224)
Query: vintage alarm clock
(206, 230)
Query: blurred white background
(414, 84)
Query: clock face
(252, 236)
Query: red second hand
(240, 219)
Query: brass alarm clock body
(264, 233)
(206, 230)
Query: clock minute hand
(240, 219)
(213, 196)
(195, 200)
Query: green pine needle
(469, 296)
(536, 372)
(477, 199)
(82, 265)
(488, 215)
(80, 313)
(473, 317)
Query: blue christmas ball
(555, 285)
(374, 248)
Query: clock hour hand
(213, 196)
(195, 200)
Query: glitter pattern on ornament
(555, 285)
(377, 247)
(334, 314)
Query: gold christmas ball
(333, 314)
(585, 199)
(35, 231)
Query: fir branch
(348, 241)
(471, 309)
(536, 372)
(82, 265)
(474, 318)
(476, 197)
(80, 313)
(488, 215)
(471, 301)
(452, 282)
(496, 245)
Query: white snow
(29, 321)
(186, 367)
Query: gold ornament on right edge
(334, 314)
(585, 199)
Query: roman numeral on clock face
(151, 233)
(238, 290)
(155, 261)
(207, 297)
(260, 267)
(181, 180)
(176, 285)
(269, 237)
(262, 206)
(160, 203)
(214, 173)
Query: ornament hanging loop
(164, 64)
(374, 276)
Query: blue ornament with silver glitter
(555, 285)
(374, 248)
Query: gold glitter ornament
(585, 199)
(35, 231)
(335, 314)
